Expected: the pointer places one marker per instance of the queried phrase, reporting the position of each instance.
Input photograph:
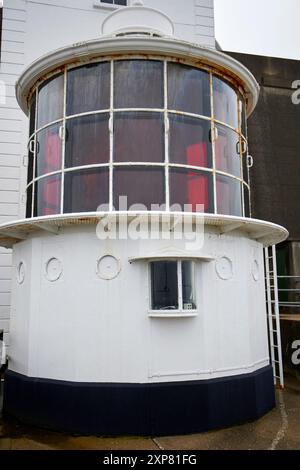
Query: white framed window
(172, 287)
(107, 3)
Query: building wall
(32, 28)
(12, 139)
(274, 142)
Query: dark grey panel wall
(274, 142)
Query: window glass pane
(188, 90)
(47, 196)
(143, 186)
(229, 196)
(87, 140)
(139, 137)
(32, 115)
(164, 285)
(115, 2)
(88, 88)
(247, 201)
(243, 119)
(192, 188)
(225, 103)
(245, 165)
(227, 147)
(48, 150)
(29, 202)
(188, 295)
(189, 141)
(51, 101)
(29, 180)
(86, 190)
(138, 84)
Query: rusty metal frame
(212, 71)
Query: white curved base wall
(83, 328)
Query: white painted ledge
(267, 233)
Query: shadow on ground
(279, 429)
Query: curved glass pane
(138, 84)
(139, 137)
(29, 194)
(190, 141)
(188, 90)
(48, 150)
(229, 196)
(47, 196)
(139, 185)
(86, 190)
(88, 88)
(191, 188)
(32, 115)
(87, 140)
(225, 103)
(243, 118)
(227, 148)
(51, 101)
(247, 201)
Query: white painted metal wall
(95, 338)
(32, 28)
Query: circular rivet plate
(21, 272)
(255, 270)
(53, 269)
(224, 268)
(108, 267)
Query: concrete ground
(279, 430)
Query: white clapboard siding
(9, 196)
(204, 18)
(11, 138)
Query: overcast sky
(262, 27)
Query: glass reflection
(48, 150)
(225, 103)
(164, 285)
(193, 188)
(227, 148)
(139, 137)
(86, 190)
(96, 96)
(47, 196)
(189, 141)
(188, 90)
(32, 115)
(138, 84)
(143, 186)
(188, 295)
(247, 201)
(87, 140)
(51, 101)
(229, 196)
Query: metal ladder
(273, 315)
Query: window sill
(106, 6)
(191, 314)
